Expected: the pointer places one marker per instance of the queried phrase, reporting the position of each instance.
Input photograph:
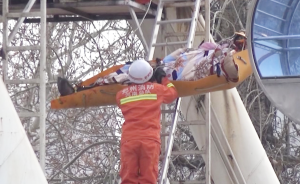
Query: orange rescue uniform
(140, 141)
(143, 1)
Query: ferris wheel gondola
(273, 32)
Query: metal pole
(163, 178)
(155, 31)
(139, 29)
(20, 20)
(207, 20)
(207, 102)
(5, 41)
(163, 129)
(194, 24)
(43, 85)
(208, 138)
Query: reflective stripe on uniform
(138, 98)
(170, 85)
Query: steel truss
(41, 81)
(214, 130)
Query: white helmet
(140, 71)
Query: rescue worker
(140, 104)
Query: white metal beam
(5, 39)
(28, 114)
(18, 162)
(208, 139)
(138, 28)
(42, 72)
(208, 104)
(20, 21)
(42, 93)
(207, 21)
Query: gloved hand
(159, 73)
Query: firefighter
(140, 105)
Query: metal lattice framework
(183, 167)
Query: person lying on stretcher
(184, 64)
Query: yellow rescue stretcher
(105, 95)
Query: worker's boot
(64, 87)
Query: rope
(143, 17)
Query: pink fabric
(212, 46)
(208, 46)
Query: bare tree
(83, 144)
